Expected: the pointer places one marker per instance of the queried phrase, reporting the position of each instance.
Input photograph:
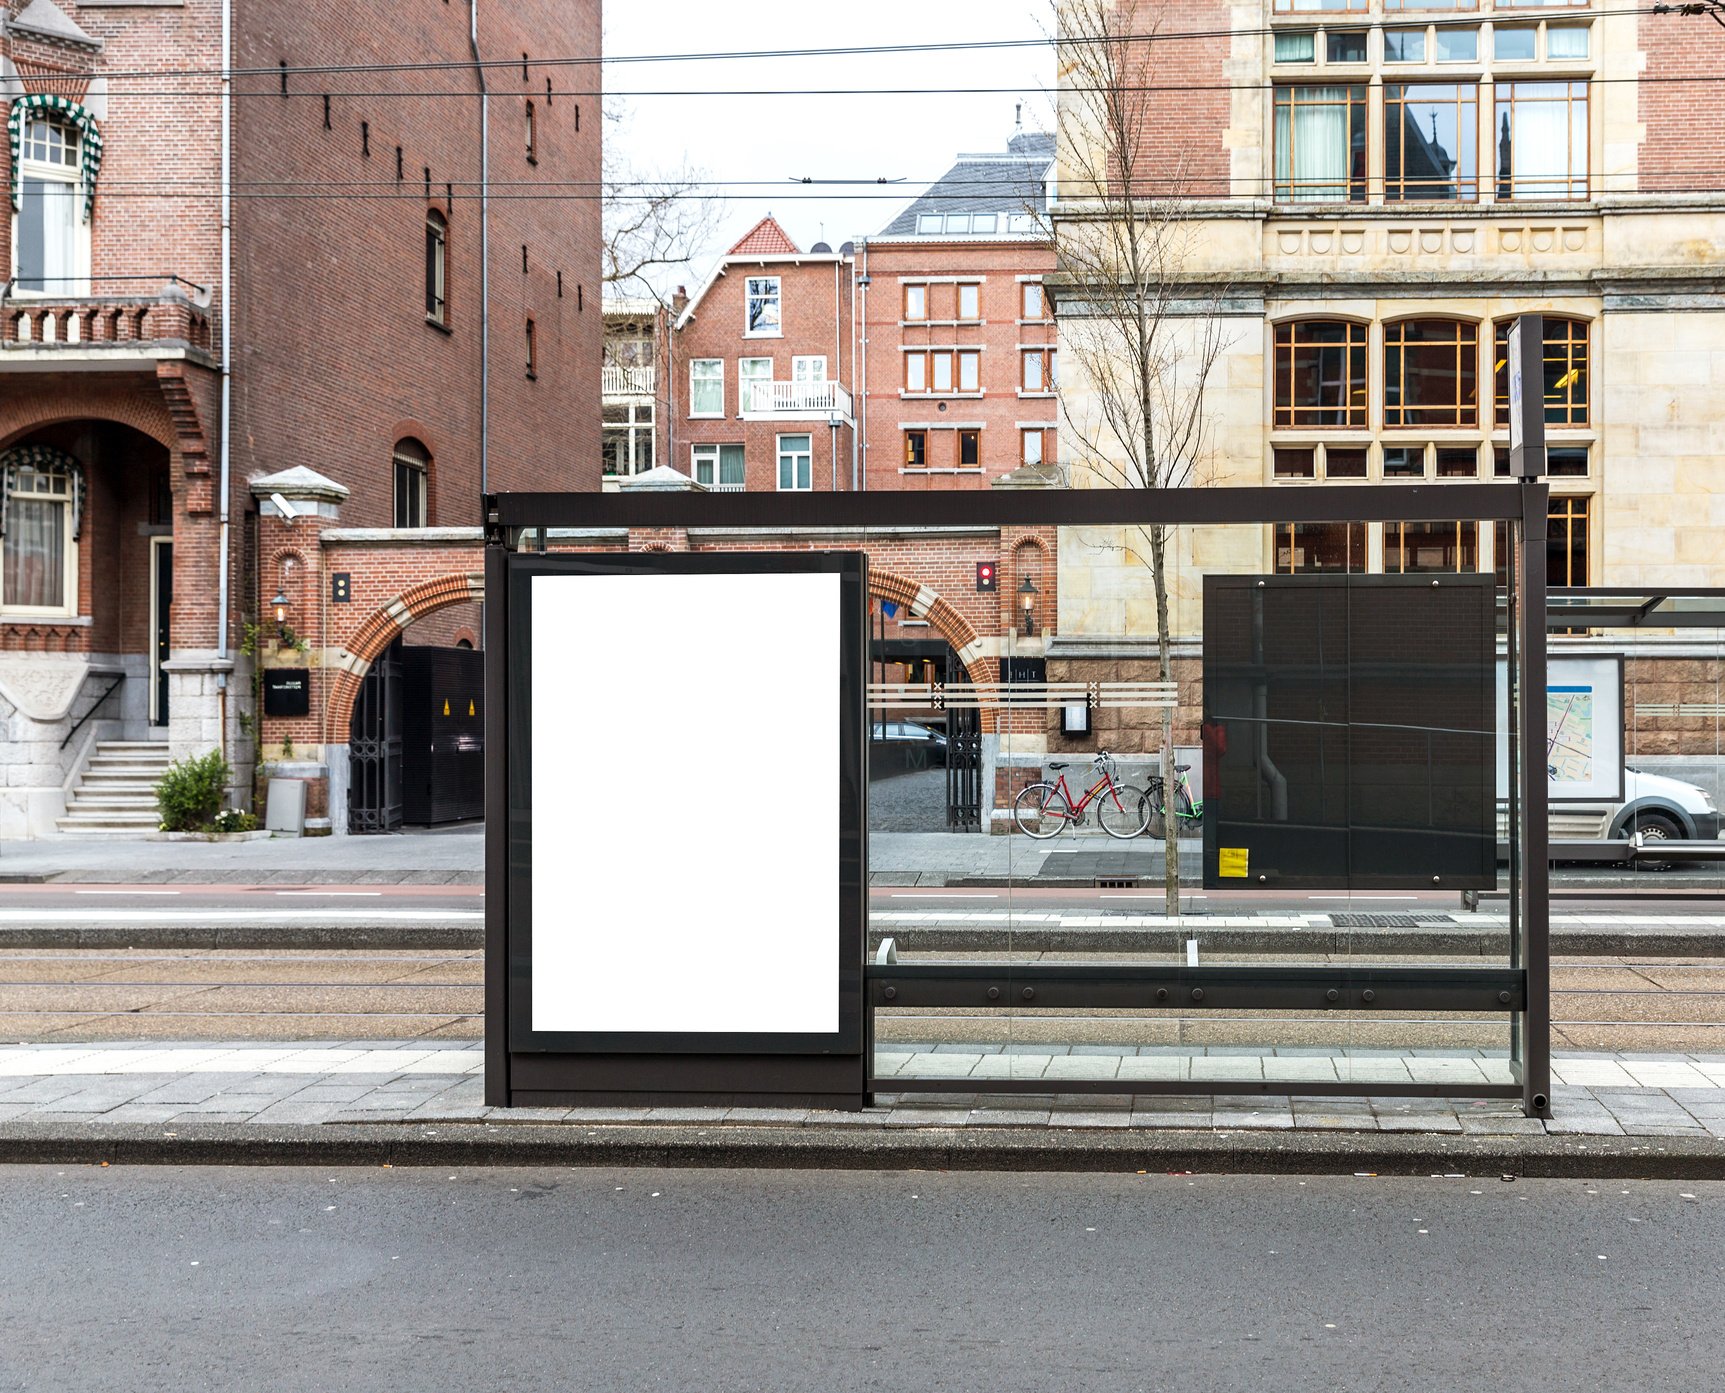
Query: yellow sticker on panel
(1231, 862)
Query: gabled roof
(765, 238)
(46, 18)
(1006, 184)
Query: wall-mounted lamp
(1027, 593)
(281, 608)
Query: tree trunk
(1165, 673)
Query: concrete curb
(863, 1148)
(468, 937)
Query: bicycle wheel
(1155, 806)
(1124, 812)
(1040, 811)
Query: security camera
(287, 510)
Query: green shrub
(192, 792)
(233, 820)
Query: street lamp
(1027, 593)
(281, 608)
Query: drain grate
(1374, 921)
(1116, 882)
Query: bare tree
(1140, 332)
(654, 222)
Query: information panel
(690, 874)
(1584, 729)
(1348, 732)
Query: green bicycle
(1187, 809)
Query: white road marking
(326, 893)
(897, 896)
(125, 892)
(226, 916)
(1362, 897)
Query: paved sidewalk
(168, 1085)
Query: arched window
(436, 266)
(41, 495)
(1565, 371)
(412, 480)
(50, 241)
(1431, 373)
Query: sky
(766, 141)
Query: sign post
(1527, 397)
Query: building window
(1320, 143)
(436, 266)
(1413, 548)
(916, 372)
(969, 371)
(1566, 542)
(532, 136)
(1514, 43)
(970, 301)
(928, 222)
(1393, 5)
(412, 474)
(51, 241)
(809, 368)
(1296, 463)
(38, 573)
(761, 314)
(1296, 46)
(1316, 548)
(1542, 140)
(970, 449)
(706, 387)
(1565, 371)
(627, 438)
(940, 372)
(1404, 461)
(1404, 46)
(1321, 374)
(718, 467)
(1030, 300)
(1345, 46)
(1037, 371)
(1328, 6)
(916, 302)
(532, 349)
(796, 463)
(1457, 461)
(1458, 45)
(1565, 41)
(1431, 140)
(1431, 372)
(1565, 462)
(1030, 450)
(916, 449)
(754, 385)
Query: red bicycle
(1043, 809)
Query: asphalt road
(527, 1280)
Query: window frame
(972, 435)
(1026, 290)
(1047, 370)
(920, 386)
(1355, 408)
(712, 455)
(745, 378)
(1464, 529)
(1578, 93)
(412, 465)
(66, 499)
(967, 363)
(776, 298)
(436, 268)
(1354, 548)
(70, 175)
(1567, 412)
(1286, 100)
(1025, 435)
(807, 454)
(920, 289)
(1463, 412)
(696, 382)
(972, 290)
(532, 134)
(532, 350)
(1464, 187)
(916, 449)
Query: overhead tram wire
(277, 72)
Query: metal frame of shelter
(520, 521)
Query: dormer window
(929, 222)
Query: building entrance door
(374, 747)
(161, 641)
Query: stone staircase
(117, 795)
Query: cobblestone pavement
(1633, 1095)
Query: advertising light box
(692, 854)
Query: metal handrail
(94, 706)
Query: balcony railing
(797, 400)
(174, 315)
(616, 380)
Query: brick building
(959, 364)
(757, 396)
(366, 358)
(1381, 187)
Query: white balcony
(799, 401)
(616, 380)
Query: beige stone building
(1381, 186)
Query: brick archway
(924, 603)
(380, 629)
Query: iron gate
(963, 755)
(374, 747)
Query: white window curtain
(35, 547)
(1312, 145)
(730, 466)
(1546, 157)
(750, 372)
(707, 387)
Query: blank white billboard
(686, 778)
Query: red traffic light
(985, 579)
